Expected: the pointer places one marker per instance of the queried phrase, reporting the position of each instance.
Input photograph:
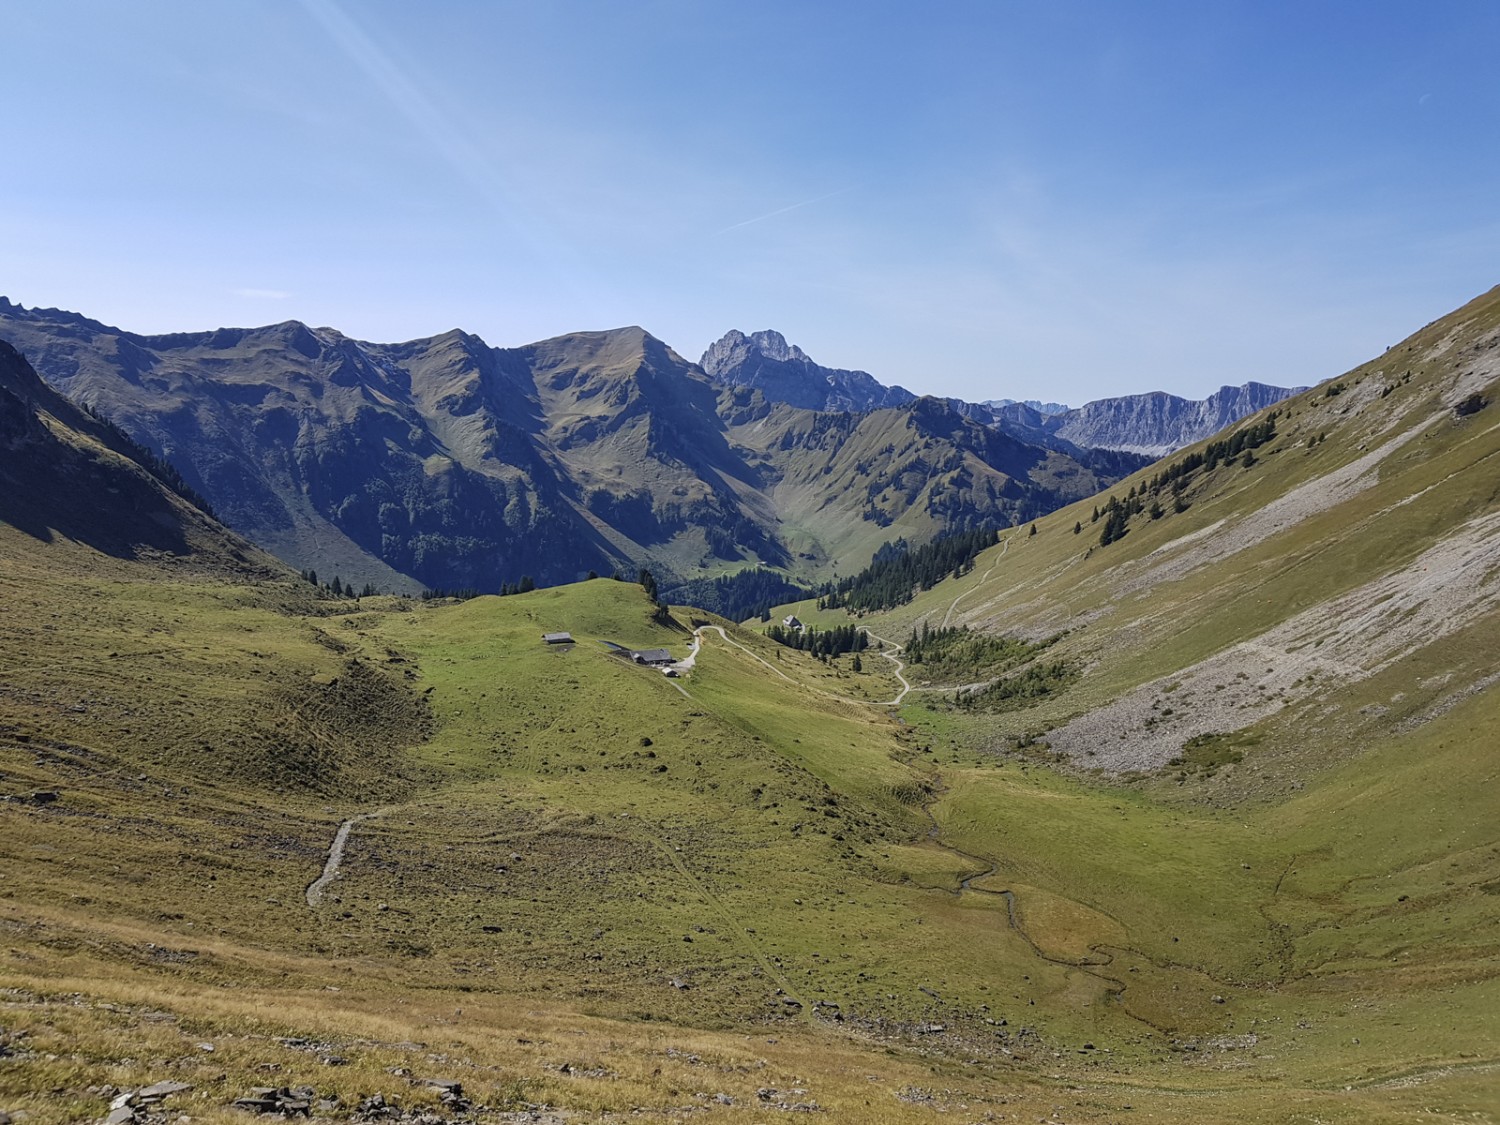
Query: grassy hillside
(543, 888)
(587, 890)
(1267, 774)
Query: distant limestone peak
(783, 372)
(734, 348)
(773, 344)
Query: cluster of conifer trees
(339, 588)
(1237, 447)
(958, 650)
(1011, 693)
(744, 594)
(894, 579)
(820, 642)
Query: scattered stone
(162, 1090)
(289, 1101)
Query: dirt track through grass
(983, 578)
(316, 888)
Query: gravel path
(316, 888)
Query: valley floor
(586, 891)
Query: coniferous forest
(739, 596)
(821, 642)
(893, 579)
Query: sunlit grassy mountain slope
(448, 463)
(1275, 715)
(582, 888)
(1337, 580)
(848, 483)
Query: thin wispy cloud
(781, 211)
(452, 138)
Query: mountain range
(1151, 424)
(448, 463)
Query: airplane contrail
(781, 211)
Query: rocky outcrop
(784, 373)
(1154, 424)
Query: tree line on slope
(893, 579)
(1237, 448)
(821, 642)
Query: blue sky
(1041, 199)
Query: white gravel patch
(1342, 640)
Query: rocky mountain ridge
(1152, 424)
(785, 373)
(445, 462)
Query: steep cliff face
(65, 474)
(1153, 424)
(784, 373)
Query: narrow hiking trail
(316, 888)
(742, 933)
(983, 578)
(899, 669)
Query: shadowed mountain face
(445, 462)
(64, 473)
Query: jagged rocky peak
(1043, 408)
(730, 352)
(783, 372)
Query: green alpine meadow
(1176, 803)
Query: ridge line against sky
(1032, 200)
